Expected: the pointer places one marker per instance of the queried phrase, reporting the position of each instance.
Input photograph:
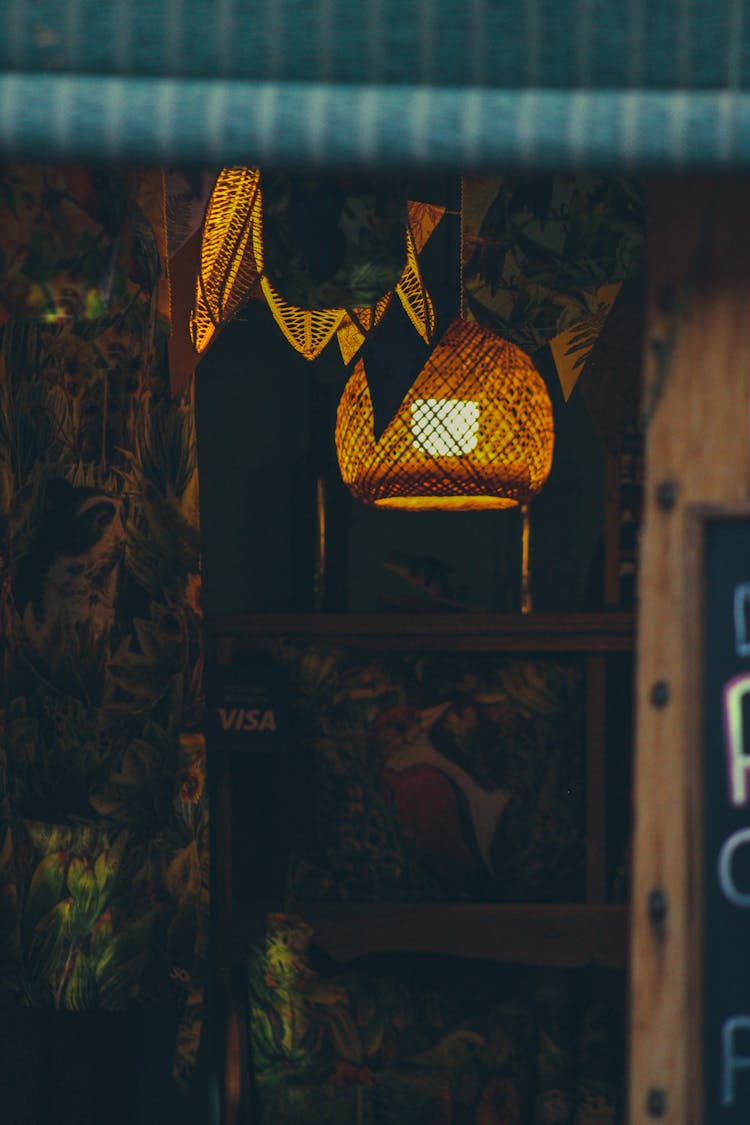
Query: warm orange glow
(307, 330)
(485, 436)
(457, 503)
(229, 269)
(356, 326)
(413, 295)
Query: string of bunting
(232, 271)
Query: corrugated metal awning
(433, 83)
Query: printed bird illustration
(432, 794)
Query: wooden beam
(697, 410)
(458, 632)
(560, 934)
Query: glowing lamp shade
(474, 431)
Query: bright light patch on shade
(444, 427)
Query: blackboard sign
(725, 776)
(247, 707)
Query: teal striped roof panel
(666, 44)
(456, 84)
(313, 124)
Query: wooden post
(697, 414)
(596, 781)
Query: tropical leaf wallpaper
(103, 822)
(333, 241)
(543, 258)
(430, 1041)
(437, 776)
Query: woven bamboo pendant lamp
(475, 430)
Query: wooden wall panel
(697, 409)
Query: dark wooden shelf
(461, 632)
(560, 934)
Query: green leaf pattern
(537, 249)
(439, 1041)
(103, 825)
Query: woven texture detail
(229, 267)
(413, 295)
(474, 431)
(307, 330)
(356, 326)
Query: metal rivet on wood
(666, 495)
(659, 693)
(656, 1103)
(657, 907)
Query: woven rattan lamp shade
(474, 431)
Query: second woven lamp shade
(474, 431)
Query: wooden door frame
(696, 408)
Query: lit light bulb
(444, 427)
